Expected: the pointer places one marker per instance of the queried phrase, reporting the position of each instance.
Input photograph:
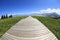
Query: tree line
(6, 16)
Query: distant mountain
(54, 15)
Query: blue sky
(23, 7)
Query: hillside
(52, 24)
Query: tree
(10, 16)
(6, 16)
(2, 17)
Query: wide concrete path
(29, 29)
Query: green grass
(50, 23)
(6, 24)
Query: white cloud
(16, 14)
(49, 10)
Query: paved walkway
(29, 29)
